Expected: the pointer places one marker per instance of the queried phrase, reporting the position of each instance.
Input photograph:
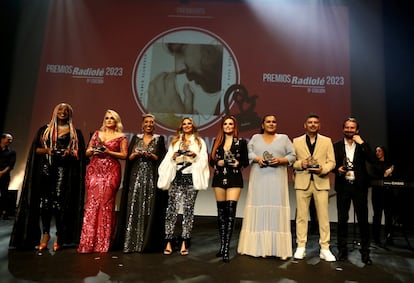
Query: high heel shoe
(184, 248)
(168, 249)
(44, 241)
(56, 245)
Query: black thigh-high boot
(231, 218)
(221, 222)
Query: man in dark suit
(351, 184)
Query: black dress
(228, 176)
(26, 231)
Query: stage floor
(394, 263)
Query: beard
(349, 135)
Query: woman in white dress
(266, 227)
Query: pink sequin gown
(102, 180)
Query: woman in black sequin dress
(53, 185)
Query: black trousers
(382, 201)
(359, 198)
(4, 189)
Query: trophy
(182, 149)
(58, 151)
(348, 164)
(182, 157)
(349, 167)
(229, 158)
(99, 147)
(267, 156)
(140, 147)
(312, 163)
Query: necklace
(63, 127)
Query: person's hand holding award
(229, 158)
(313, 165)
(98, 148)
(140, 148)
(349, 167)
(182, 154)
(183, 149)
(267, 157)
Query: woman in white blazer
(183, 172)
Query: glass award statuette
(182, 149)
(182, 158)
(313, 164)
(349, 167)
(229, 158)
(140, 146)
(267, 156)
(99, 147)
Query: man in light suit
(315, 158)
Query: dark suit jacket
(363, 155)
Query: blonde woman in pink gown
(103, 178)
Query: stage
(393, 263)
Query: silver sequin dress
(145, 207)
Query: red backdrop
(293, 58)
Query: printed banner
(198, 59)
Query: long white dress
(266, 227)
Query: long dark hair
(383, 150)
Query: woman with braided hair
(53, 186)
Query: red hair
(220, 135)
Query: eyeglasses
(111, 118)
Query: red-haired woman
(228, 156)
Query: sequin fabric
(141, 197)
(182, 194)
(52, 198)
(103, 177)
